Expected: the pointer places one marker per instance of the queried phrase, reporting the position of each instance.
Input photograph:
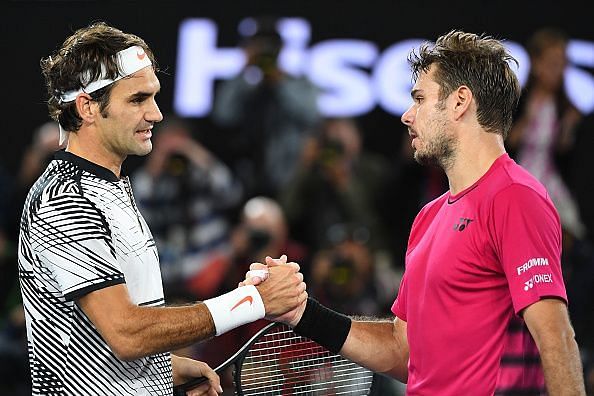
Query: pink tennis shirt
(473, 259)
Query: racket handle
(180, 390)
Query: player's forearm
(379, 345)
(374, 345)
(562, 366)
(548, 322)
(149, 330)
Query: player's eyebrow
(141, 95)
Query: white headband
(130, 61)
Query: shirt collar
(87, 165)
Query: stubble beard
(439, 151)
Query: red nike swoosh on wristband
(249, 299)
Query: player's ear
(462, 99)
(86, 107)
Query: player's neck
(474, 157)
(87, 146)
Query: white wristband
(238, 307)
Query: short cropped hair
(82, 56)
(479, 62)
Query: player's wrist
(323, 325)
(238, 307)
(294, 321)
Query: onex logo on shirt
(538, 278)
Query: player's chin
(143, 148)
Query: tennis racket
(276, 361)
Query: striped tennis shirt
(81, 232)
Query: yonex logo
(538, 278)
(462, 224)
(249, 299)
(140, 54)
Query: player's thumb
(274, 262)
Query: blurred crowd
(296, 183)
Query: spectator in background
(582, 183)
(580, 274)
(544, 128)
(39, 154)
(184, 191)
(342, 277)
(35, 159)
(337, 183)
(272, 111)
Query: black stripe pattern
(81, 232)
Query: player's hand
(185, 369)
(258, 273)
(283, 290)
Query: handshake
(276, 291)
(281, 287)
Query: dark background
(33, 29)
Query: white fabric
(238, 307)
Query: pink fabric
(472, 261)
(520, 370)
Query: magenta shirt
(474, 259)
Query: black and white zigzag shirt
(80, 232)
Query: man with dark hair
(486, 251)
(268, 106)
(88, 266)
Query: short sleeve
(527, 238)
(399, 305)
(72, 239)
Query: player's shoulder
(520, 192)
(432, 206)
(55, 181)
(59, 186)
(516, 182)
(511, 180)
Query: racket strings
(282, 363)
(337, 377)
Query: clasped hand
(281, 287)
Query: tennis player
(486, 251)
(88, 266)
